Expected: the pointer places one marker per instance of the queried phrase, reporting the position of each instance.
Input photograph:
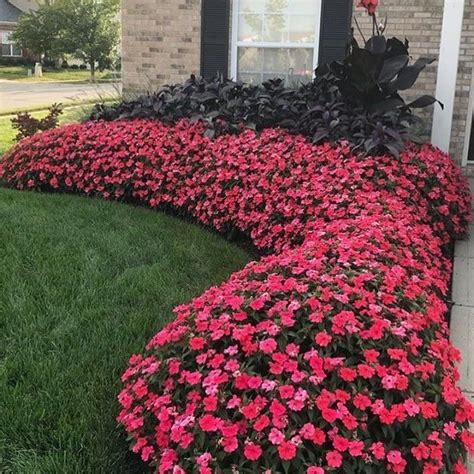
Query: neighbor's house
(9, 16)
(10, 12)
(166, 40)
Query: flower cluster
(330, 354)
(270, 186)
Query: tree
(38, 31)
(90, 30)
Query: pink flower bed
(331, 354)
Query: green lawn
(84, 284)
(20, 73)
(70, 114)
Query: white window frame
(469, 125)
(11, 44)
(235, 43)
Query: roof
(8, 12)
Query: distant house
(10, 12)
(166, 40)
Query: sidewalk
(462, 316)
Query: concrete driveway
(21, 95)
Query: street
(18, 95)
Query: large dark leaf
(409, 75)
(424, 101)
(392, 66)
(395, 47)
(388, 104)
(421, 63)
(377, 44)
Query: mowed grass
(20, 73)
(84, 284)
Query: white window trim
(469, 125)
(11, 55)
(264, 44)
(11, 44)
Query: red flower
(196, 343)
(319, 437)
(394, 457)
(268, 345)
(230, 444)
(323, 339)
(356, 448)
(450, 429)
(210, 403)
(209, 423)
(378, 450)
(340, 443)
(330, 415)
(429, 410)
(468, 439)
(287, 450)
(286, 391)
(277, 409)
(334, 459)
(262, 423)
(362, 402)
(459, 468)
(314, 470)
(420, 452)
(347, 374)
(369, 5)
(252, 451)
(371, 355)
(250, 411)
(308, 431)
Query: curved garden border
(330, 354)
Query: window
(468, 152)
(275, 38)
(9, 48)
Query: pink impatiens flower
(287, 450)
(252, 451)
(339, 328)
(334, 459)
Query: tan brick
(161, 42)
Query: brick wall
(161, 42)
(464, 80)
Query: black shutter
(215, 24)
(336, 32)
